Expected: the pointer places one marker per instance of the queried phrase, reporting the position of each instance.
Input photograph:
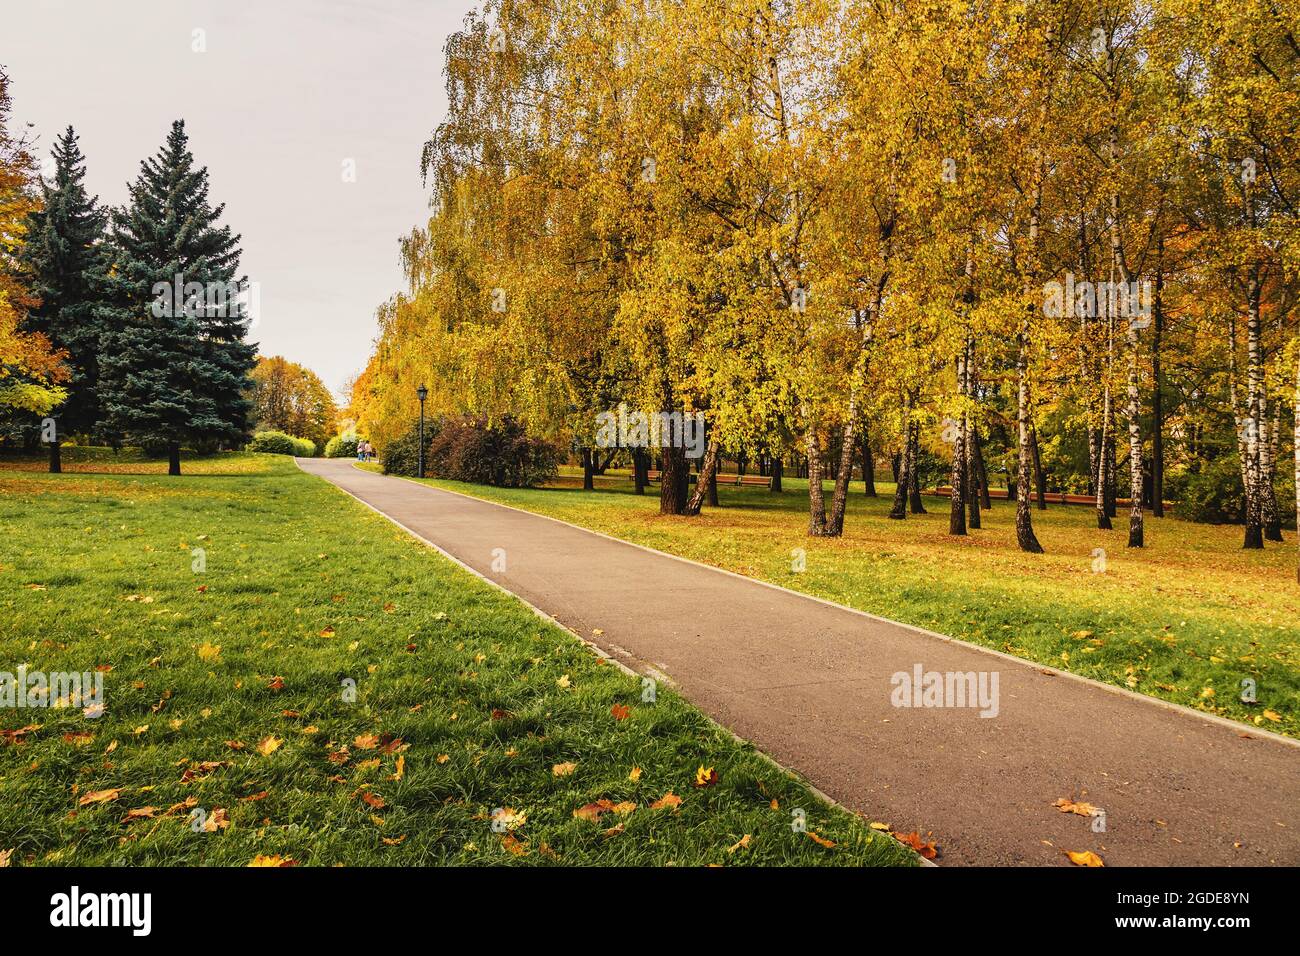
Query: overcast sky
(285, 94)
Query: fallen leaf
(1069, 806)
(216, 820)
(927, 849)
(635, 774)
(268, 745)
(669, 801)
(99, 796)
(741, 844)
(563, 769)
(512, 845)
(261, 860)
(705, 776)
(820, 840)
(366, 742)
(1084, 858)
(620, 711)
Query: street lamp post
(421, 393)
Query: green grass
(1185, 619)
(469, 699)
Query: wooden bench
(1051, 497)
(737, 480)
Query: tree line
(125, 325)
(1057, 236)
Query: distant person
(361, 450)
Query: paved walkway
(809, 684)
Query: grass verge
(227, 611)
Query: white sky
(285, 93)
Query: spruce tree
(66, 259)
(175, 369)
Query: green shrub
(1211, 493)
(278, 443)
(342, 446)
(468, 449)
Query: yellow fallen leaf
(1085, 858)
(564, 769)
(741, 844)
(269, 745)
(635, 774)
(1069, 806)
(99, 796)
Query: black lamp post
(421, 393)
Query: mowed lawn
(229, 609)
(1186, 619)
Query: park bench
(738, 480)
(1051, 497)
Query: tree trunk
(868, 465)
(1157, 399)
(588, 471)
(1025, 536)
(1040, 479)
(639, 461)
(914, 472)
(1135, 526)
(1254, 536)
(1268, 451)
(672, 481)
(957, 502)
(816, 495)
(1103, 517)
(977, 446)
(843, 475)
(778, 466)
(902, 470)
(173, 458)
(706, 480)
(56, 458)
(1296, 410)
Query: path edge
(597, 649)
(1258, 733)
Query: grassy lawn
(225, 693)
(1186, 619)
